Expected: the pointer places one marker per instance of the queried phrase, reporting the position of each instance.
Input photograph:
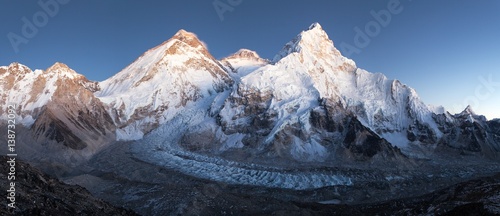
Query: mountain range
(308, 105)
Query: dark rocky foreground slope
(476, 197)
(40, 194)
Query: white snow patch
(397, 139)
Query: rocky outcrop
(73, 117)
(58, 106)
(39, 194)
(469, 132)
(474, 197)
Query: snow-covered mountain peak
(313, 44)
(244, 54)
(469, 115)
(190, 39)
(244, 62)
(58, 66)
(183, 34)
(315, 26)
(162, 81)
(18, 68)
(62, 70)
(437, 109)
(183, 52)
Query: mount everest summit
(308, 105)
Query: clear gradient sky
(449, 51)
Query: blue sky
(448, 51)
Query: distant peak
(14, 64)
(58, 65)
(246, 54)
(468, 111)
(189, 38)
(315, 26)
(183, 34)
(246, 51)
(62, 69)
(184, 39)
(17, 67)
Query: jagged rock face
(469, 132)
(365, 144)
(494, 126)
(494, 133)
(49, 128)
(361, 142)
(316, 130)
(421, 132)
(75, 118)
(252, 109)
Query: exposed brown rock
(74, 117)
(37, 89)
(3, 70)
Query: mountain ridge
(309, 103)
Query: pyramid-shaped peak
(58, 65)
(183, 34)
(315, 26)
(184, 38)
(62, 69)
(314, 33)
(189, 38)
(313, 40)
(468, 111)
